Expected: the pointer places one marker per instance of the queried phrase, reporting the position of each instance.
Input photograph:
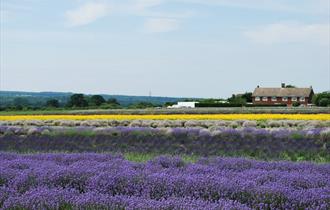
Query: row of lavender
(260, 143)
(172, 123)
(266, 143)
(100, 181)
(108, 130)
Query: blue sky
(197, 48)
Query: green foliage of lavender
(210, 124)
(268, 144)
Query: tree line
(75, 101)
(81, 101)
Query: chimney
(283, 85)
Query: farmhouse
(282, 95)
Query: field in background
(232, 110)
(170, 117)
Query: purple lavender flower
(103, 181)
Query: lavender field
(164, 105)
(101, 181)
(152, 164)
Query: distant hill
(39, 98)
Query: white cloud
(86, 13)
(150, 9)
(299, 6)
(157, 25)
(290, 33)
(133, 7)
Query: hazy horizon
(96, 93)
(173, 48)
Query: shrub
(296, 104)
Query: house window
(257, 98)
(285, 99)
(302, 99)
(294, 99)
(264, 98)
(274, 98)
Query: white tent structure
(188, 104)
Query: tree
(167, 104)
(324, 102)
(53, 103)
(20, 103)
(237, 100)
(247, 96)
(318, 98)
(96, 100)
(77, 100)
(142, 105)
(113, 101)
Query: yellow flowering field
(171, 117)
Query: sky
(181, 48)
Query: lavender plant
(172, 123)
(101, 181)
(275, 143)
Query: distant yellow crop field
(171, 117)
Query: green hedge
(237, 105)
(217, 105)
(265, 105)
